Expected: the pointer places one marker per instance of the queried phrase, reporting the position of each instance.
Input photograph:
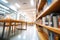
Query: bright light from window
(4, 7)
(32, 2)
(17, 5)
(5, 1)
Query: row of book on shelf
(52, 20)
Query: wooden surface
(13, 25)
(41, 4)
(55, 30)
(17, 21)
(42, 35)
(54, 6)
(8, 20)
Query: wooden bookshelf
(43, 11)
(42, 35)
(41, 4)
(53, 7)
(55, 30)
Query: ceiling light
(13, 7)
(32, 2)
(4, 7)
(17, 5)
(2, 12)
(5, 1)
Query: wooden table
(10, 21)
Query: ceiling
(27, 6)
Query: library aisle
(29, 19)
(29, 34)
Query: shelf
(41, 4)
(53, 29)
(42, 35)
(52, 7)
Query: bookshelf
(49, 9)
(50, 26)
(42, 35)
(41, 4)
(56, 30)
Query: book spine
(44, 23)
(55, 24)
(50, 24)
(58, 24)
(58, 21)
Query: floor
(29, 34)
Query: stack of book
(52, 20)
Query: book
(52, 20)
(58, 16)
(44, 23)
(49, 23)
(58, 21)
(55, 24)
(49, 2)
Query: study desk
(10, 21)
